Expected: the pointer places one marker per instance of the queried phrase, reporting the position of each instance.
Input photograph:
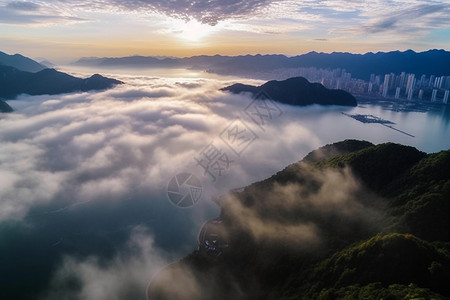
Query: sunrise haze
(66, 30)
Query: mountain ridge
(47, 81)
(431, 62)
(378, 241)
(20, 62)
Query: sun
(192, 31)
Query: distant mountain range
(296, 91)
(432, 62)
(383, 234)
(22, 75)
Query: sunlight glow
(192, 30)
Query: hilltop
(48, 81)
(352, 220)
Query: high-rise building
(437, 82)
(369, 89)
(433, 95)
(385, 85)
(410, 86)
(402, 79)
(397, 93)
(420, 94)
(377, 80)
(441, 82)
(423, 81)
(411, 82)
(410, 93)
(447, 83)
(445, 100)
(392, 81)
(431, 80)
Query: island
(296, 91)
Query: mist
(81, 171)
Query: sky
(63, 30)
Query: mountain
(47, 81)
(296, 91)
(20, 62)
(431, 62)
(352, 220)
(47, 64)
(4, 107)
(129, 61)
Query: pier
(371, 119)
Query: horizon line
(267, 54)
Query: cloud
(205, 11)
(266, 222)
(179, 281)
(393, 20)
(424, 16)
(142, 93)
(94, 145)
(7, 17)
(80, 169)
(298, 213)
(21, 5)
(111, 145)
(125, 276)
(334, 20)
(36, 13)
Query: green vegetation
(387, 259)
(376, 291)
(351, 221)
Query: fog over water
(85, 175)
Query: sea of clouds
(86, 175)
(84, 206)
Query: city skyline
(403, 86)
(63, 31)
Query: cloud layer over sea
(83, 174)
(109, 146)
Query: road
(212, 238)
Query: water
(431, 129)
